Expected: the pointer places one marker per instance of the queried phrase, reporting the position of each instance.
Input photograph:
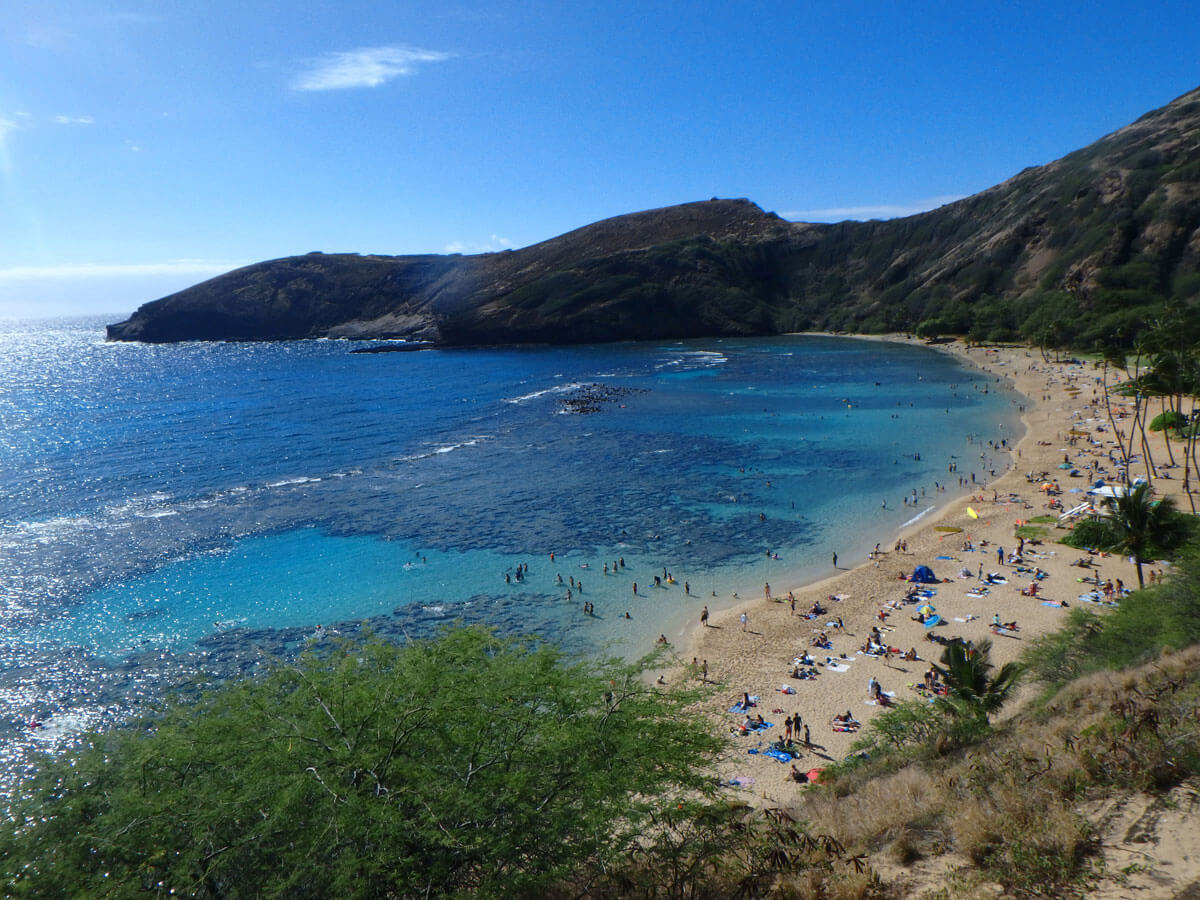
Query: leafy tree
(975, 692)
(1141, 526)
(465, 765)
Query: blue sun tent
(923, 575)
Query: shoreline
(758, 660)
(907, 529)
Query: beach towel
(834, 667)
(932, 620)
(782, 755)
(739, 781)
(1052, 603)
(943, 557)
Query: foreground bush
(468, 764)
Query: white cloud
(495, 244)
(134, 146)
(74, 120)
(881, 211)
(365, 67)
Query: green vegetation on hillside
(466, 765)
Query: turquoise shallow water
(172, 510)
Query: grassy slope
(1042, 807)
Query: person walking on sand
(767, 590)
(704, 617)
(744, 619)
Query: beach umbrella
(972, 513)
(932, 620)
(926, 610)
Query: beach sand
(757, 659)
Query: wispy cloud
(496, 243)
(70, 32)
(881, 211)
(365, 67)
(7, 127)
(74, 120)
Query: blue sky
(149, 144)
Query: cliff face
(1085, 247)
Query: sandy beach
(757, 656)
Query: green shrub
(468, 764)
(1091, 534)
(1171, 419)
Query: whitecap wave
(557, 389)
(299, 479)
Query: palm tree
(1141, 525)
(966, 672)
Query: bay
(193, 511)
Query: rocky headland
(1082, 249)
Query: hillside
(1079, 250)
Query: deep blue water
(168, 510)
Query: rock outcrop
(1084, 248)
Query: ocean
(185, 513)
